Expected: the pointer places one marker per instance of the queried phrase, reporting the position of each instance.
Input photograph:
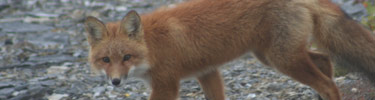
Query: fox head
(117, 48)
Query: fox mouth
(117, 81)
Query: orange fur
(194, 38)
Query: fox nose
(116, 81)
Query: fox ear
(131, 25)
(94, 30)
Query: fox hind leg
(293, 60)
(322, 62)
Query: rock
(110, 88)
(57, 96)
(21, 87)
(35, 92)
(48, 83)
(7, 91)
(340, 79)
(43, 78)
(4, 6)
(251, 95)
(111, 95)
(36, 20)
(98, 91)
(121, 8)
(275, 87)
(48, 39)
(8, 20)
(352, 76)
(61, 90)
(57, 69)
(8, 42)
(3, 97)
(93, 13)
(77, 87)
(16, 93)
(77, 15)
(356, 10)
(6, 85)
(23, 27)
(80, 53)
(11, 84)
(354, 90)
(42, 14)
(52, 59)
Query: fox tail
(348, 43)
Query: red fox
(194, 38)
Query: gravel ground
(43, 56)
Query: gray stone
(355, 10)
(6, 85)
(48, 83)
(99, 89)
(57, 69)
(3, 97)
(52, 58)
(16, 93)
(48, 39)
(96, 79)
(77, 87)
(18, 27)
(21, 87)
(43, 78)
(274, 87)
(57, 96)
(6, 91)
(35, 92)
(8, 41)
(41, 14)
(61, 90)
(4, 6)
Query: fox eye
(127, 57)
(106, 59)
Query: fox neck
(140, 71)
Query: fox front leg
(164, 89)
